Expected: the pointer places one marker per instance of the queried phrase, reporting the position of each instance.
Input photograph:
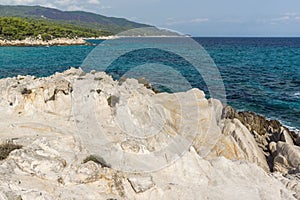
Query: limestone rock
(287, 157)
(62, 119)
(244, 145)
(286, 137)
(291, 182)
(141, 184)
(224, 179)
(272, 147)
(267, 134)
(39, 160)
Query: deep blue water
(260, 74)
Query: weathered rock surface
(227, 157)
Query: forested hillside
(15, 28)
(76, 18)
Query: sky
(195, 17)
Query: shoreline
(111, 37)
(285, 124)
(54, 42)
(40, 42)
(65, 41)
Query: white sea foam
(297, 94)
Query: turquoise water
(260, 74)
(40, 61)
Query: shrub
(46, 37)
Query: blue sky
(196, 17)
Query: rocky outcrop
(286, 157)
(271, 136)
(62, 124)
(279, 145)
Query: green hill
(15, 28)
(70, 19)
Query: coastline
(40, 42)
(64, 41)
(284, 124)
(111, 37)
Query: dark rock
(6, 148)
(229, 113)
(122, 80)
(63, 86)
(146, 83)
(98, 79)
(98, 91)
(258, 124)
(112, 100)
(26, 91)
(297, 138)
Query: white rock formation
(287, 157)
(58, 121)
(40, 42)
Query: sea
(259, 74)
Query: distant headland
(41, 26)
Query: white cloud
(19, 2)
(199, 20)
(291, 14)
(231, 20)
(172, 21)
(73, 7)
(89, 5)
(283, 18)
(133, 18)
(95, 2)
(286, 18)
(105, 7)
